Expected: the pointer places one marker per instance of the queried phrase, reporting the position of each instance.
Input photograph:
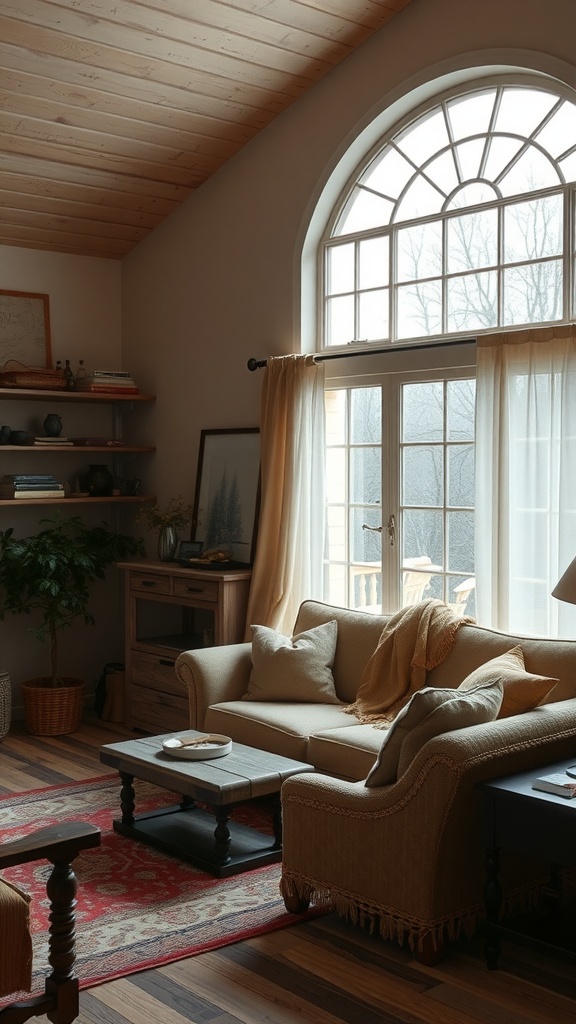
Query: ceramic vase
(53, 424)
(167, 543)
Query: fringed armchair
(60, 845)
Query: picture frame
(188, 549)
(25, 329)
(227, 494)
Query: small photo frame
(188, 549)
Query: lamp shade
(565, 589)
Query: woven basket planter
(52, 710)
(5, 703)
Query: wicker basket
(52, 710)
(16, 375)
(5, 703)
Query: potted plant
(51, 572)
(168, 520)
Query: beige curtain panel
(288, 563)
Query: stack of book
(108, 382)
(30, 485)
(53, 440)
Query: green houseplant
(51, 572)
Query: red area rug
(138, 908)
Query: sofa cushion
(283, 728)
(429, 712)
(348, 753)
(522, 690)
(474, 645)
(358, 635)
(293, 669)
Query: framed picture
(25, 329)
(227, 496)
(188, 549)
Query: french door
(400, 491)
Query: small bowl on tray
(197, 747)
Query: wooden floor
(320, 972)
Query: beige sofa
(405, 857)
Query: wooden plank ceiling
(113, 111)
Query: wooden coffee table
(209, 839)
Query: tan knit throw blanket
(414, 641)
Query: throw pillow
(469, 707)
(522, 690)
(293, 669)
(429, 712)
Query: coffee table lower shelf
(213, 843)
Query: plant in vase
(51, 572)
(168, 520)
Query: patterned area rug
(138, 908)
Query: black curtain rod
(258, 364)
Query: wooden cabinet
(44, 456)
(170, 609)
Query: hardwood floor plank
(249, 999)
(135, 1006)
(178, 997)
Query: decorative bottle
(81, 373)
(69, 376)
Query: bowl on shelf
(19, 437)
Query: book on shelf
(98, 442)
(112, 373)
(24, 495)
(48, 485)
(27, 478)
(52, 440)
(559, 783)
(109, 389)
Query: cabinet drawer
(153, 672)
(148, 582)
(203, 590)
(157, 712)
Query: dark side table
(540, 825)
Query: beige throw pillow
(430, 712)
(295, 669)
(522, 690)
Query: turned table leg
(127, 798)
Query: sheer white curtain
(289, 554)
(525, 478)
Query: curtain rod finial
(256, 364)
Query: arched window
(459, 224)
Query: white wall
(219, 281)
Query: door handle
(390, 529)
